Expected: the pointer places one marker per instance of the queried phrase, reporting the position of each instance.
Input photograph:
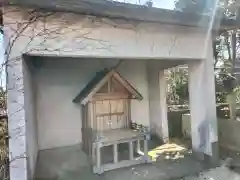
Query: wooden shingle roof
(100, 79)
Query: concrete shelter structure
(55, 48)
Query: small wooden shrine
(106, 120)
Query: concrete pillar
(157, 102)
(16, 121)
(163, 105)
(204, 131)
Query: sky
(165, 4)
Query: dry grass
(167, 151)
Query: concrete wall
(154, 99)
(157, 88)
(186, 126)
(229, 134)
(31, 123)
(204, 128)
(81, 35)
(228, 131)
(175, 123)
(59, 81)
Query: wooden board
(121, 164)
(116, 137)
(119, 135)
(110, 114)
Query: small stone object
(228, 163)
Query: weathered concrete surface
(219, 173)
(79, 35)
(204, 128)
(229, 134)
(70, 163)
(175, 123)
(228, 131)
(30, 115)
(157, 89)
(224, 172)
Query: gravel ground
(223, 172)
(220, 173)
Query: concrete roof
(119, 10)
